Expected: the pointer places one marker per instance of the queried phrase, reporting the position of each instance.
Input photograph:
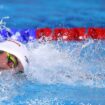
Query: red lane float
(70, 34)
(96, 33)
(66, 34)
(43, 32)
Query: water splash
(51, 64)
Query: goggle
(11, 60)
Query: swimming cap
(17, 49)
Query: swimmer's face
(5, 63)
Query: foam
(51, 64)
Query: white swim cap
(17, 49)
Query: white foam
(51, 65)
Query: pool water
(60, 73)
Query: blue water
(60, 13)
(59, 73)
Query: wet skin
(4, 63)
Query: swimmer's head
(13, 55)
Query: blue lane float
(26, 36)
(4, 34)
(23, 36)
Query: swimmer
(13, 56)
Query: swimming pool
(60, 73)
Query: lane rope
(64, 34)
